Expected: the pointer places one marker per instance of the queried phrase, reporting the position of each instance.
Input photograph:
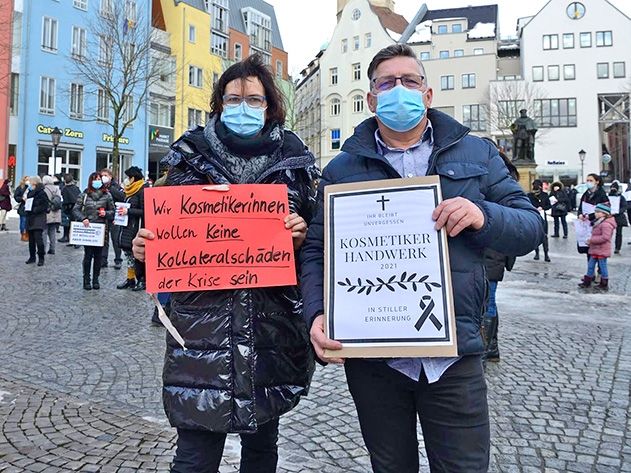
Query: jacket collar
(446, 130)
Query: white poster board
(92, 235)
(28, 204)
(388, 286)
(614, 201)
(583, 231)
(121, 220)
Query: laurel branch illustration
(404, 281)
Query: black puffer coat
(495, 263)
(248, 357)
(89, 203)
(36, 217)
(135, 212)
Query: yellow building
(197, 69)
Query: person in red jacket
(600, 246)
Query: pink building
(6, 15)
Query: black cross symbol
(383, 201)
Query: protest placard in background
(121, 220)
(218, 237)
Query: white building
(576, 57)
(363, 29)
(307, 109)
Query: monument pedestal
(527, 173)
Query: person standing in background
(560, 208)
(18, 195)
(53, 217)
(5, 204)
(69, 195)
(112, 231)
(540, 200)
(35, 213)
(620, 217)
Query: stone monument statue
(524, 129)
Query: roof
(474, 15)
(236, 18)
(199, 4)
(390, 20)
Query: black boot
(536, 255)
(546, 258)
(128, 284)
(492, 352)
(87, 285)
(31, 260)
(3, 228)
(96, 272)
(40, 261)
(140, 286)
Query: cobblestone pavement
(80, 376)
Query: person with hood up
(560, 208)
(604, 226)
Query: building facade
(52, 94)
(6, 21)
(577, 55)
(307, 109)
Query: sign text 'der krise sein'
(218, 239)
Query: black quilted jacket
(249, 357)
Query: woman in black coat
(249, 359)
(134, 196)
(621, 216)
(594, 195)
(35, 211)
(541, 201)
(560, 208)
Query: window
(336, 107)
(458, 52)
(70, 161)
(344, 45)
(76, 100)
(508, 110)
(259, 29)
(15, 94)
(568, 40)
(474, 117)
(355, 43)
(219, 15)
(194, 117)
(219, 44)
(80, 4)
(105, 51)
(130, 11)
(537, 73)
(333, 75)
(443, 54)
(468, 81)
(586, 40)
(569, 72)
(102, 106)
(553, 73)
(442, 29)
(357, 71)
(192, 33)
(128, 111)
(358, 103)
(425, 56)
(47, 96)
(604, 38)
(456, 28)
(551, 113)
(478, 51)
(238, 51)
(195, 76)
(335, 138)
(446, 82)
(279, 69)
(619, 70)
(367, 40)
(161, 114)
(602, 70)
(78, 42)
(106, 8)
(356, 14)
(215, 78)
(550, 41)
(49, 34)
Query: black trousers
(36, 240)
(112, 232)
(200, 451)
(619, 237)
(92, 256)
(453, 413)
(563, 224)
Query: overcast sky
(307, 24)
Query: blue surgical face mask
(400, 108)
(243, 120)
(97, 184)
(590, 185)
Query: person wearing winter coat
(18, 195)
(541, 201)
(595, 194)
(621, 216)
(53, 217)
(604, 226)
(134, 196)
(560, 208)
(94, 205)
(249, 360)
(69, 195)
(112, 232)
(5, 204)
(572, 193)
(35, 211)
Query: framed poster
(388, 289)
(92, 235)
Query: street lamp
(55, 135)
(581, 156)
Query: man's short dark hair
(392, 51)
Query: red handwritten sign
(210, 239)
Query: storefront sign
(160, 138)
(110, 139)
(68, 132)
(556, 163)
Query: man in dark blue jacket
(482, 208)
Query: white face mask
(105, 179)
(126, 182)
